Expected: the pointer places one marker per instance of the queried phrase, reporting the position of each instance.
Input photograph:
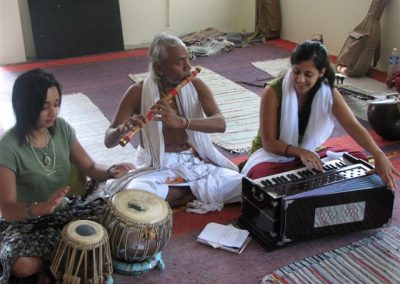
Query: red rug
(348, 142)
(185, 223)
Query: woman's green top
(36, 182)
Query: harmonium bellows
(303, 204)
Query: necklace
(46, 163)
(46, 157)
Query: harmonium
(303, 204)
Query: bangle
(29, 208)
(286, 150)
(188, 123)
(110, 175)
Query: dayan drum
(384, 117)
(139, 225)
(83, 254)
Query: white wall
(335, 19)
(141, 20)
(11, 40)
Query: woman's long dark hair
(28, 97)
(315, 51)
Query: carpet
(90, 125)
(239, 106)
(374, 259)
(363, 85)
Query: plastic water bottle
(393, 62)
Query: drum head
(84, 232)
(138, 206)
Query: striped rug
(374, 259)
(90, 125)
(239, 106)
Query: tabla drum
(139, 225)
(83, 254)
(384, 118)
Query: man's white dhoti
(210, 183)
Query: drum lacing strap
(104, 252)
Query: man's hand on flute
(164, 112)
(133, 123)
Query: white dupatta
(319, 127)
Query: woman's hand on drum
(120, 169)
(385, 169)
(133, 122)
(56, 199)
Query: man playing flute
(175, 158)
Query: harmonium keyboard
(303, 204)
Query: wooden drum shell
(133, 239)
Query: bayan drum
(384, 117)
(83, 254)
(139, 225)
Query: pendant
(46, 160)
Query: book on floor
(226, 237)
